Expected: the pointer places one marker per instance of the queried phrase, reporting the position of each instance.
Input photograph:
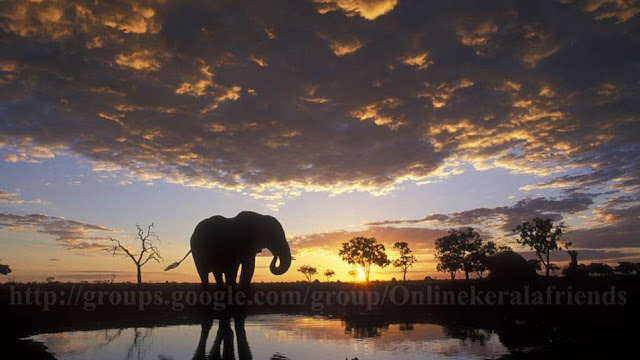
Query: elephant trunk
(285, 261)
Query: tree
(406, 259)
(353, 273)
(148, 250)
(454, 251)
(329, 273)
(627, 268)
(5, 269)
(543, 237)
(364, 252)
(599, 269)
(308, 272)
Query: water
(278, 337)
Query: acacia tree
(406, 259)
(308, 272)
(329, 273)
(353, 273)
(148, 250)
(543, 237)
(454, 251)
(364, 252)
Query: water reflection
(279, 337)
(223, 347)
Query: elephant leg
(204, 278)
(218, 276)
(248, 267)
(203, 271)
(231, 275)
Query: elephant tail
(177, 263)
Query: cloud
(219, 95)
(507, 216)
(613, 223)
(620, 10)
(71, 234)
(139, 60)
(59, 19)
(368, 9)
(342, 45)
(15, 199)
(420, 60)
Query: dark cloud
(613, 224)
(335, 96)
(615, 235)
(587, 256)
(71, 234)
(505, 218)
(320, 95)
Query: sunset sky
(389, 118)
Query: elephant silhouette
(220, 245)
(510, 266)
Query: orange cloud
(368, 9)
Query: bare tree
(148, 250)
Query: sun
(361, 276)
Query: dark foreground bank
(555, 317)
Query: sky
(396, 119)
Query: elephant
(220, 245)
(510, 266)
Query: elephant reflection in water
(223, 347)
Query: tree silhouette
(454, 251)
(353, 273)
(308, 272)
(148, 250)
(406, 259)
(627, 268)
(5, 269)
(364, 252)
(543, 237)
(599, 269)
(329, 273)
